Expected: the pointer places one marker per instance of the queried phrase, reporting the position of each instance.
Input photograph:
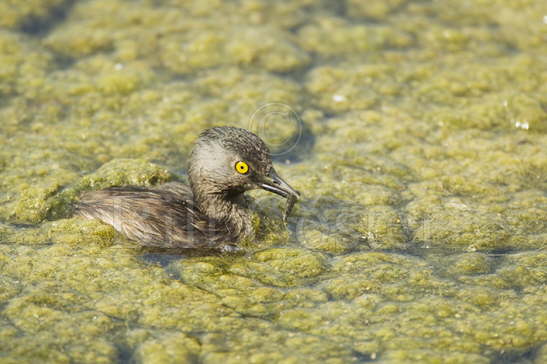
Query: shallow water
(415, 130)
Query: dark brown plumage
(212, 212)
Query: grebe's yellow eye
(242, 167)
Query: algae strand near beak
(274, 183)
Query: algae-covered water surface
(415, 130)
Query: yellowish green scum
(421, 233)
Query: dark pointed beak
(273, 183)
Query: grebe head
(229, 161)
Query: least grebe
(212, 212)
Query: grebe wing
(154, 217)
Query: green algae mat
(415, 130)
